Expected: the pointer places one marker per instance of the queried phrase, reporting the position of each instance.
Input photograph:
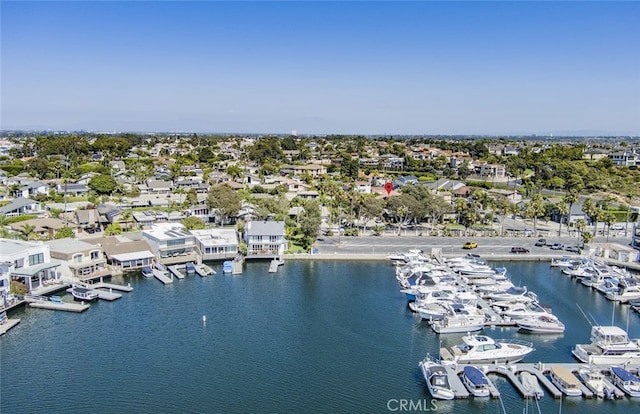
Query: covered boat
(476, 381)
(626, 381)
(437, 379)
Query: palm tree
(581, 224)
(562, 210)
(27, 231)
(535, 209)
(590, 209)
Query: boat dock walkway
(8, 324)
(103, 285)
(203, 270)
(511, 372)
(162, 276)
(275, 263)
(175, 270)
(43, 302)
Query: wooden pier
(103, 285)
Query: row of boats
(615, 283)
(464, 295)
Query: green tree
(562, 209)
(113, 229)
(65, 232)
(535, 209)
(102, 184)
(225, 201)
(309, 222)
(192, 223)
(591, 210)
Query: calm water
(315, 337)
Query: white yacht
(610, 345)
(541, 324)
(437, 379)
(593, 378)
(626, 291)
(481, 349)
(513, 294)
(519, 311)
(458, 319)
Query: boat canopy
(624, 375)
(475, 376)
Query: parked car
(617, 227)
(541, 242)
(573, 249)
(470, 245)
(519, 250)
(557, 246)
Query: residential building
(170, 243)
(29, 263)
(44, 228)
(21, 206)
(81, 259)
(265, 239)
(125, 254)
(217, 243)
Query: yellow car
(470, 245)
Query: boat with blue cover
(476, 381)
(190, 268)
(626, 381)
(147, 271)
(227, 266)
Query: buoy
(204, 318)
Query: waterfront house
(80, 259)
(30, 263)
(124, 254)
(217, 243)
(265, 239)
(170, 243)
(5, 285)
(21, 206)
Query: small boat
(147, 271)
(481, 349)
(626, 381)
(476, 381)
(190, 268)
(83, 294)
(227, 266)
(437, 379)
(593, 378)
(55, 299)
(565, 381)
(541, 324)
(531, 385)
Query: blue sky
(322, 67)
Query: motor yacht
(481, 349)
(610, 345)
(437, 379)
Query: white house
(265, 239)
(170, 243)
(30, 263)
(217, 243)
(83, 260)
(21, 206)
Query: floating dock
(8, 324)
(162, 276)
(273, 266)
(203, 270)
(175, 270)
(113, 286)
(65, 306)
(103, 294)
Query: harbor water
(317, 336)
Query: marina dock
(203, 270)
(511, 372)
(103, 285)
(103, 294)
(8, 324)
(275, 263)
(42, 302)
(175, 270)
(162, 276)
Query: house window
(77, 258)
(35, 259)
(175, 242)
(95, 255)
